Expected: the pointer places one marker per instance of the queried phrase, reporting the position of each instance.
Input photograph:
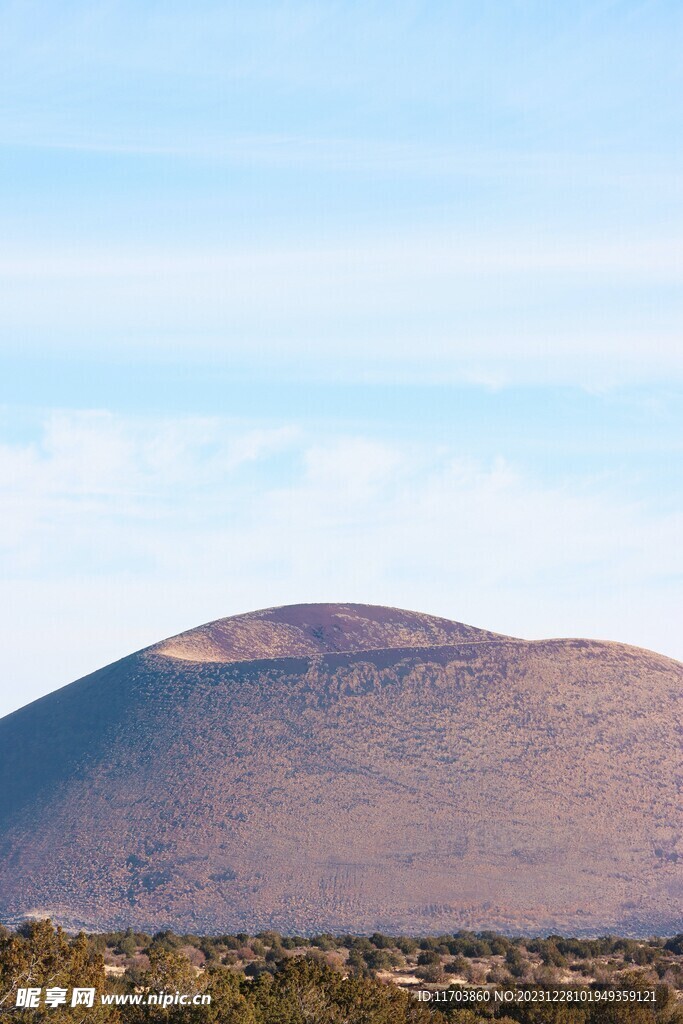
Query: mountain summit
(304, 630)
(347, 767)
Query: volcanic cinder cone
(350, 768)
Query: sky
(337, 301)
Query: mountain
(350, 768)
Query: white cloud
(117, 531)
(515, 307)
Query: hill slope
(350, 768)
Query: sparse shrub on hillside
(548, 951)
(255, 970)
(458, 965)
(356, 963)
(515, 962)
(362, 944)
(407, 945)
(427, 957)
(378, 960)
(126, 945)
(469, 946)
(583, 949)
(230, 1001)
(193, 954)
(96, 943)
(136, 969)
(672, 975)
(431, 974)
(476, 974)
(167, 940)
(440, 944)
(545, 975)
(212, 952)
(169, 971)
(429, 942)
(643, 955)
(319, 955)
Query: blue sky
(316, 301)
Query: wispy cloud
(154, 525)
(261, 197)
(622, 172)
(520, 307)
(359, 256)
(462, 192)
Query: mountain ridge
(504, 783)
(311, 628)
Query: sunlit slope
(350, 768)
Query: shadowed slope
(366, 768)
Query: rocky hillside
(350, 768)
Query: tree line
(274, 979)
